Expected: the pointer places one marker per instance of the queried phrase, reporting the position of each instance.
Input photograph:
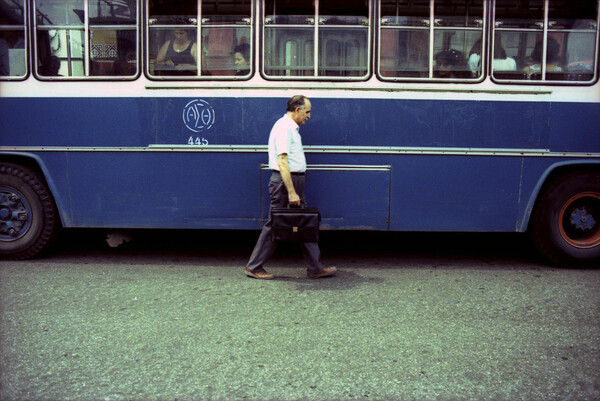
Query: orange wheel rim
(579, 220)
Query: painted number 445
(198, 141)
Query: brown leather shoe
(325, 272)
(259, 273)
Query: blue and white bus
(428, 115)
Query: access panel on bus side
(349, 197)
(455, 193)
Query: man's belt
(292, 172)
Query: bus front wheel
(28, 221)
(566, 224)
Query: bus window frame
(432, 29)
(545, 32)
(198, 28)
(87, 28)
(316, 26)
(24, 28)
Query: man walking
(286, 186)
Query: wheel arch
(36, 164)
(552, 173)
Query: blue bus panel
(135, 122)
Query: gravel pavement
(183, 323)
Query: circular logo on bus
(198, 115)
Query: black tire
(566, 223)
(28, 219)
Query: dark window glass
(519, 14)
(572, 14)
(113, 12)
(405, 12)
(230, 12)
(13, 56)
(290, 11)
(458, 13)
(350, 12)
(180, 12)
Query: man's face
(302, 113)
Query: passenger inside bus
(241, 54)
(178, 56)
(450, 64)
(501, 60)
(552, 58)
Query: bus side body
(386, 149)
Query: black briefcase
(295, 224)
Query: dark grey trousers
(264, 248)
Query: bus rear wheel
(566, 225)
(28, 221)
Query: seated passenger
(180, 53)
(241, 54)
(552, 58)
(450, 64)
(501, 61)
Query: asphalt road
(409, 317)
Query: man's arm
(286, 176)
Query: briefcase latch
(295, 229)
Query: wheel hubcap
(15, 214)
(579, 220)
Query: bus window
(98, 39)
(564, 51)
(113, 38)
(13, 58)
(225, 38)
(418, 43)
(340, 32)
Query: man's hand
(294, 199)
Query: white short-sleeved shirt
(285, 138)
(506, 64)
